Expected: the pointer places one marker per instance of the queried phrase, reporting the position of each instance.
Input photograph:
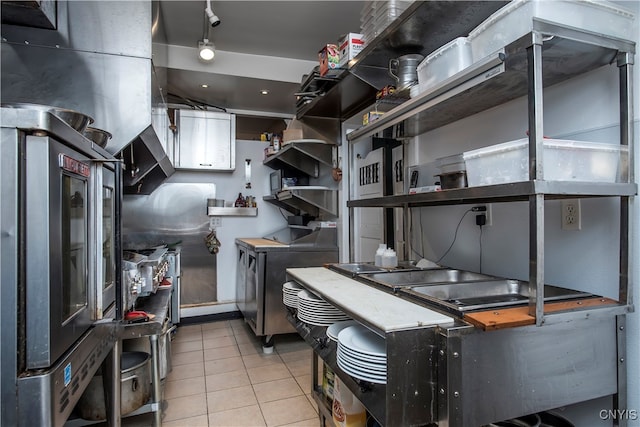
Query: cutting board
(519, 316)
(262, 243)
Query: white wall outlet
(571, 216)
(215, 222)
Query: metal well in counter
(441, 369)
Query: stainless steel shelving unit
(305, 156)
(548, 55)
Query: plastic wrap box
(444, 62)
(350, 45)
(516, 19)
(329, 58)
(564, 160)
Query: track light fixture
(213, 19)
(206, 50)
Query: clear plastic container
(389, 258)
(379, 254)
(516, 19)
(444, 62)
(563, 161)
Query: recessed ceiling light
(205, 86)
(264, 92)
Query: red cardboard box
(329, 57)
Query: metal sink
(402, 279)
(461, 297)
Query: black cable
(455, 236)
(411, 233)
(480, 250)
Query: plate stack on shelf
(315, 311)
(290, 294)
(362, 354)
(334, 330)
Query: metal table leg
(111, 384)
(156, 396)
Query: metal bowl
(450, 180)
(98, 136)
(76, 120)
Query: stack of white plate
(362, 354)
(290, 294)
(315, 311)
(334, 330)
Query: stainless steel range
(58, 263)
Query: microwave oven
(278, 181)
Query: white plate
(373, 368)
(324, 319)
(363, 357)
(292, 287)
(310, 296)
(314, 321)
(316, 310)
(363, 340)
(360, 375)
(312, 315)
(334, 330)
(290, 303)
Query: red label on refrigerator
(72, 165)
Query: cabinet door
(206, 140)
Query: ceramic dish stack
(290, 294)
(315, 311)
(362, 354)
(334, 330)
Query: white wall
(269, 217)
(585, 108)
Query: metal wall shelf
(421, 28)
(302, 155)
(221, 211)
(512, 192)
(498, 79)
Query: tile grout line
(264, 420)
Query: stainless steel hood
(98, 62)
(146, 164)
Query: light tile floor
(221, 377)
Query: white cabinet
(206, 141)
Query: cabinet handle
(205, 164)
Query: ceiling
(259, 45)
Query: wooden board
(262, 243)
(519, 316)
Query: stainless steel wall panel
(175, 212)
(114, 90)
(510, 372)
(9, 256)
(111, 27)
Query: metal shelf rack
(547, 55)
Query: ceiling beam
(234, 64)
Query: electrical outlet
(215, 222)
(486, 210)
(571, 216)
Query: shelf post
(625, 67)
(536, 172)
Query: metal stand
(111, 385)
